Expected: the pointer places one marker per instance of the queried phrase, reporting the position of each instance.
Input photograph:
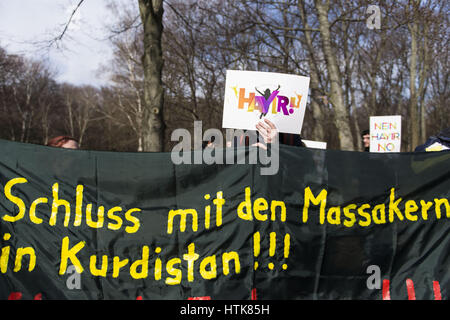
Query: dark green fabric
(325, 261)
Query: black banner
(329, 225)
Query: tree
(317, 110)
(82, 104)
(336, 96)
(355, 72)
(151, 12)
(126, 73)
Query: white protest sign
(251, 96)
(315, 144)
(385, 133)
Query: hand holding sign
(267, 130)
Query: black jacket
(436, 143)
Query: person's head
(365, 135)
(66, 142)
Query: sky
(27, 25)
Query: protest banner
(385, 133)
(80, 224)
(251, 96)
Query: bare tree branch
(66, 27)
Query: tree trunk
(318, 132)
(423, 75)
(151, 12)
(342, 120)
(413, 105)
(414, 119)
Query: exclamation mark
(256, 247)
(287, 245)
(272, 247)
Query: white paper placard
(315, 144)
(282, 97)
(385, 133)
